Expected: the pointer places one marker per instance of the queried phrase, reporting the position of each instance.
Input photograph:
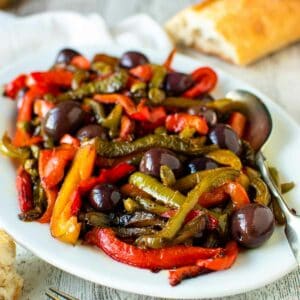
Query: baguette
(240, 31)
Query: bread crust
(242, 30)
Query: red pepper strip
(169, 60)
(41, 107)
(179, 274)
(238, 122)
(125, 101)
(51, 197)
(70, 140)
(153, 259)
(76, 202)
(23, 138)
(149, 114)
(11, 89)
(221, 262)
(52, 164)
(81, 62)
(236, 191)
(205, 80)
(177, 122)
(58, 77)
(126, 128)
(142, 72)
(24, 190)
(112, 175)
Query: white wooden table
(278, 76)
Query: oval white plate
(253, 269)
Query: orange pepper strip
(51, 195)
(123, 100)
(81, 62)
(169, 60)
(236, 191)
(126, 129)
(179, 274)
(238, 122)
(64, 225)
(41, 107)
(142, 72)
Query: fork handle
(260, 162)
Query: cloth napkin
(22, 35)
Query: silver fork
(52, 294)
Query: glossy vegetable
(132, 59)
(90, 131)
(252, 225)
(24, 189)
(66, 117)
(154, 158)
(202, 163)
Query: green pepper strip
(175, 223)
(96, 219)
(79, 77)
(172, 142)
(151, 206)
(262, 193)
(157, 190)
(167, 176)
(182, 102)
(97, 109)
(287, 186)
(112, 122)
(133, 232)
(111, 84)
(8, 149)
(188, 182)
(225, 157)
(131, 205)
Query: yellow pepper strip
(64, 225)
(225, 157)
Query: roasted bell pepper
(167, 64)
(237, 121)
(123, 100)
(153, 259)
(41, 107)
(226, 157)
(81, 62)
(64, 225)
(177, 122)
(205, 80)
(179, 274)
(58, 77)
(234, 190)
(156, 115)
(112, 121)
(11, 89)
(52, 164)
(126, 129)
(51, 195)
(142, 72)
(172, 142)
(25, 190)
(262, 196)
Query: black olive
(104, 197)
(252, 225)
(208, 114)
(133, 59)
(65, 56)
(176, 83)
(224, 136)
(90, 131)
(66, 117)
(202, 163)
(154, 158)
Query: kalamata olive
(252, 225)
(90, 131)
(176, 83)
(154, 158)
(201, 163)
(226, 138)
(132, 59)
(66, 117)
(65, 56)
(104, 197)
(209, 114)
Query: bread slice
(11, 283)
(240, 31)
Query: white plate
(253, 269)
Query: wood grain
(277, 76)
